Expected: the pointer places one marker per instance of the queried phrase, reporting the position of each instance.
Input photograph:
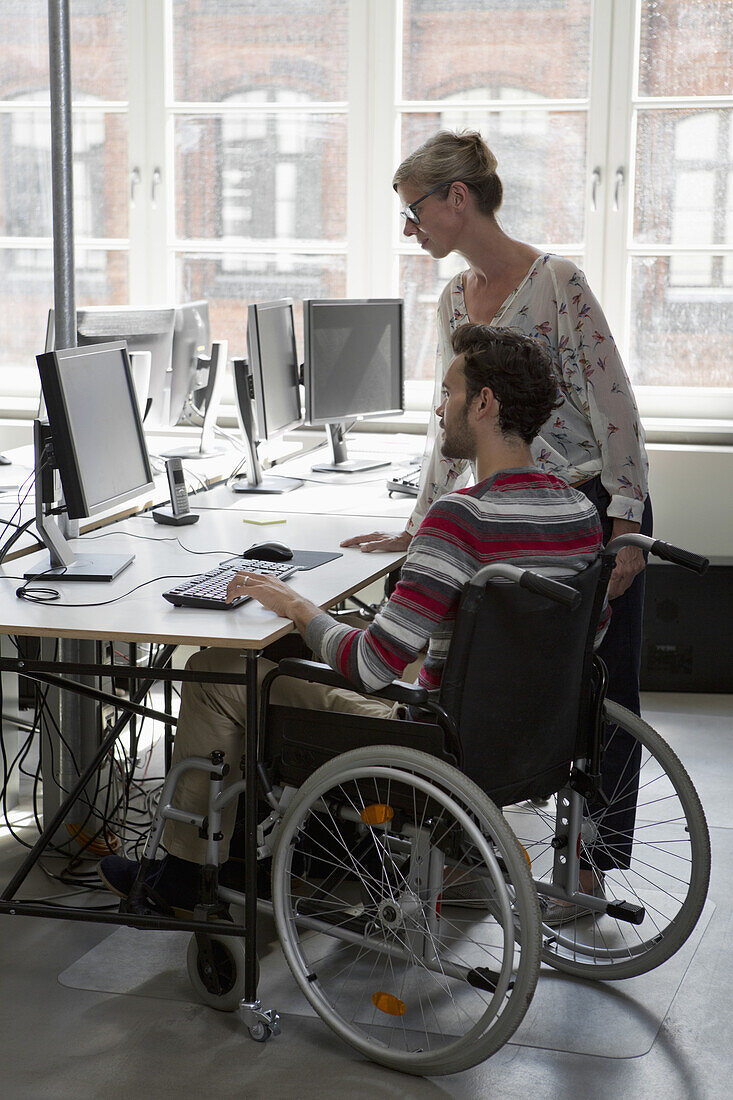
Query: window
(678, 314)
(259, 116)
(243, 151)
(100, 120)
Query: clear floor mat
(611, 1019)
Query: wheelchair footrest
(483, 978)
(625, 911)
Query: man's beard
(460, 443)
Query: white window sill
(700, 431)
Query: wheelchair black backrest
(517, 681)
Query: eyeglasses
(409, 211)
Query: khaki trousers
(212, 716)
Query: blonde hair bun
(449, 156)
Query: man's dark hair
(516, 368)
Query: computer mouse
(5, 461)
(269, 551)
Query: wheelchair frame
(514, 909)
(571, 816)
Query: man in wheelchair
(499, 390)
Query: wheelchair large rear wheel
(660, 866)
(406, 911)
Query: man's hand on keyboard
(379, 541)
(276, 596)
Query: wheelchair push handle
(526, 578)
(664, 550)
(554, 590)
(676, 554)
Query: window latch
(135, 177)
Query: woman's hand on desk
(276, 596)
(377, 540)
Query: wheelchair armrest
(315, 672)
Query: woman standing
(450, 193)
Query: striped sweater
(523, 516)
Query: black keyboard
(210, 589)
(409, 484)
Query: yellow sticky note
(264, 521)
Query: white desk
(144, 615)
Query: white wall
(692, 496)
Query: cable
(23, 593)
(170, 538)
(120, 807)
(19, 529)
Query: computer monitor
(197, 373)
(148, 329)
(269, 379)
(191, 342)
(353, 367)
(95, 435)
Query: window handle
(135, 177)
(595, 184)
(617, 188)
(157, 177)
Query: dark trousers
(621, 652)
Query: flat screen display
(96, 427)
(273, 359)
(354, 359)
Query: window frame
(373, 111)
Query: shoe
(171, 884)
(556, 913)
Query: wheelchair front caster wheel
(261, 1022)
(216, 970)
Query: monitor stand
(256, 481)
(64, 564)
(92, 567)
(342, 464)
(216, 367)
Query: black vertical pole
(59, 50)
(79, 718)
(250, 832)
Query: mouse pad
(309, 559)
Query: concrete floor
(61, 1042)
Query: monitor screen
(353, 358)
(98, 439)
(191, 340)
(142, 330)
(273, 364)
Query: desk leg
(250, 831)
(261, 1022)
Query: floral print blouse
(596, 430)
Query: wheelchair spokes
(650, 853)
(417, 980)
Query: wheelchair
(414, 861)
